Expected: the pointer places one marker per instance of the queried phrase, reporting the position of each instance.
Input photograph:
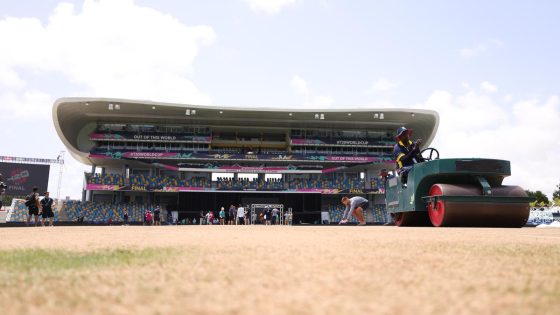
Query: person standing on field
(32, 203)
(241, 215)
(47, 212)
(275, 214)
(232, 213)
(157, 216)
(222, 216)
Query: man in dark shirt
(47, 204)
(157, 213)
(232, 212)
(406, 153)
(2, 190)
(32, 203)
(125, 217)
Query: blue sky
(490, 68)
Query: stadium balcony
(131, 131)
(146, 182)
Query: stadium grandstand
(190, 158)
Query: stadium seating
(160, 182)
(149, 182)
(101, 212)
(105, 179)
(378, 185)
(92, 212)
(19, 212)
(244, 184)
(326, 184)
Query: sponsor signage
(235, 157)
(21, 178)
(326, 191)
(357, 142)
(103, 187)
(149, 137)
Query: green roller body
(470, 190)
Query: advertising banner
(103, 187)
(124, 136)
(21, 178)
(154, 155)
(341, 142)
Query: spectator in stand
(222, 216)
(232, 212)
(33, 205)
(240, 215)
(47, 205)
(157, 214)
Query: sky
(489, 68)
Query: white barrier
(537, 217)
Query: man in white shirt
(240, 215)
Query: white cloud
(310, 98)
(299, 85)
(383, 85)
(29, 105)
(479, 49)
(508, 98)
(269, 7)
(10, 79)
(107, 48)
(488, 87)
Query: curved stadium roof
(75, 118)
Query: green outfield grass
(48, 261)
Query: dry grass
(279, 270)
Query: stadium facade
(189, 158)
